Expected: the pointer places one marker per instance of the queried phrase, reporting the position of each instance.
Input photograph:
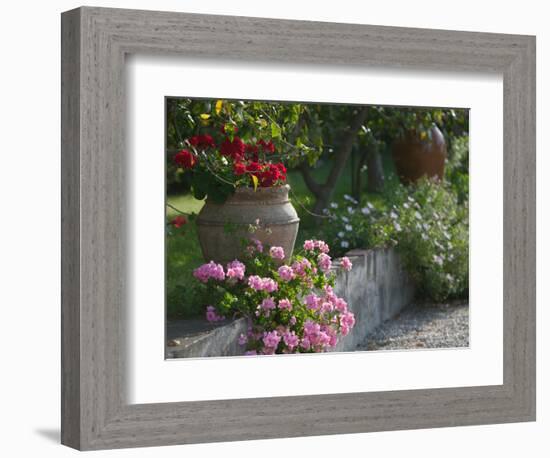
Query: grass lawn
(183, 253)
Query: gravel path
(422, 326)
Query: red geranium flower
(253, 167)
(272, 174)
(203, 141)
(185, 159)
(268, 147)
(239, 168)
(282, 169)
(178, 221)
(234, 149)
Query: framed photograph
(277, 228)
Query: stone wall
(376, 289)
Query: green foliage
(433, 239)
(457, 168)
(427, 225)
(183, 254)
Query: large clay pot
(221, 227)
(415, 158)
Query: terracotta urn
(415, 157)
(222, 227)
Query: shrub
(433, 239)
(457, 167)
(426, 224)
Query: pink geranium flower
(271, 339)
(212, 316)
(285, 304)
(291, 340)
(346, 264)
(325, 262)
(235, 269)
(277, 252)
(207, 271)
(268, 304)
(286, 273)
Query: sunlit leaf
(255, 181)
(275, 130)
(204, 116)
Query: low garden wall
(376, 289)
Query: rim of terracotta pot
(277, 194)
(272, 189)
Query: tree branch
(315, 187)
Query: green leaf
(275, 130)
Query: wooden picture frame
(95, 413)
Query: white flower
(333, 205)
(449, 277)
(424, 236)
(397, 227)
(365, 210)
(438, 260)
(370, 206)
(406, 205)
(345, 219)
(351, 210)
(348, 227)
(417, 215)
(410, 199)
(344, 244)
(341, 234)
(349, 198)
(393, 215)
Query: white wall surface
(30, 227)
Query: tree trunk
(357, 174)
(375, 171)
(323, 191)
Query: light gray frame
(95, 414)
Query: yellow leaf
(205, 116)
(423, 135)
(255, 181)
(219, 105)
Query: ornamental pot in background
(221, 227)
(415, 158)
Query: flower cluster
(425, 223)
(291, 307)
(208, 271)
(185, 159)
(230, 161)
